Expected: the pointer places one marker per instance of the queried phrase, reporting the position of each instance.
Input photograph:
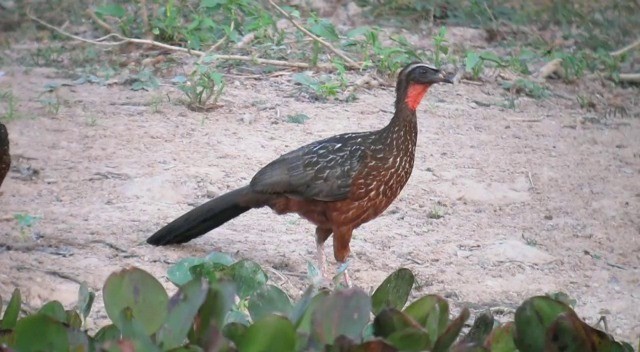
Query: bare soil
(538, 199)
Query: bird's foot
(342, 275)
(346, 279)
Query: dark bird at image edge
(337, 183)
(5, 157)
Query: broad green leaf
(450, 334)
(55, 310)
(430, 312)
(480, 330)
(236, 316)
(113, 10)
(73, 319)
(298, 310)
(344, 312)
(248, 277)
(107, 333)
(409, 340)
(306, 80)
(325, 29)
(134, 330)
(85, 300)
(40, 332)
(501, 339)
(472, 59)
(490, 56)
(135, 289)
(391, 320)
(272, 333)
(212, 312)
(533, 318)
(304, 323)
(10, 316)
(218, 257)
(394, 291)
(269, 300)
(234, 332)
(569, 333)
(182, 309)
(358, 31)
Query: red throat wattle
(415, 93)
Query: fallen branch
(550, 68)
(124, 40)
(630, 77)
(625, 49)
(98, 21)
(350, 63)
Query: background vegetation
(528, 49)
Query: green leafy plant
(51, 102)
(226, 305)
(440, 47)
(297, 118)
(203, 87)
(526, 87)
(322, 88)
(25, 222)
(144, 80)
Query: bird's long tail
(207, 217)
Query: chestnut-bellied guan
(338, 183)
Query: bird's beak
(446, 77)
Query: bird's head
(414, 81)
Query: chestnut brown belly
(337, 214)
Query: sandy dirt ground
(538, 199)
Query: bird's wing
(322, 170)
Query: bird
(337, 183)
(5, 157)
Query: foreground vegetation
(227, 305)
(230, 305)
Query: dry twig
(550, 68)
(124, 40)
(630, 77)
(626, 48)
(97, 20)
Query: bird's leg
(321, 236)
(347, 280)
(341, 249)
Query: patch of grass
(322, 87)
(203, 87)
(51, 103)
(155, 103)
(25, 223)
(526, 87)
(297, 118)
(530, 241)
(437, 212)
(92, 120)
(46, 56)
(144, 80)
(8, 106)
